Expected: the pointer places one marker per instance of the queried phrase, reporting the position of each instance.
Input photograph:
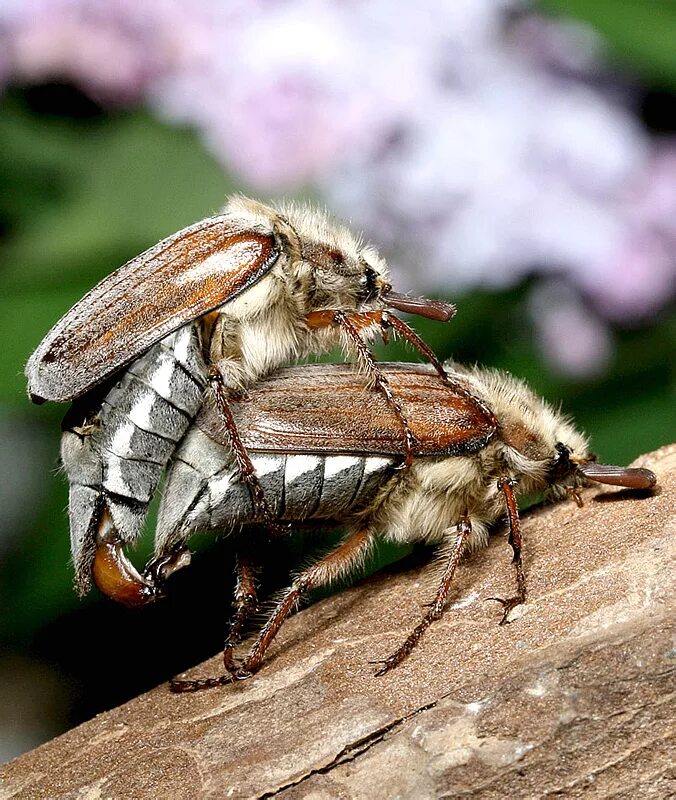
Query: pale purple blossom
(476, 142)
(640, 273)
(67, 41)
(568, 335)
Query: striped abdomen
(118, 456)
(204, 490)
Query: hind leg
(245, 604)
(342, 561)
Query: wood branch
(570, 698)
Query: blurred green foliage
(641, 36)
(80, 197)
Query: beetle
(325, 450)
(217, 305)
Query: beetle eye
(368, 287)
(561, 464)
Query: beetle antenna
(629, 477)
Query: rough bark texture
(571, 699)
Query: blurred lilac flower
(75, 42)
(477, 141)
(641, 274)
(571, 338)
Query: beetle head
(327, 265)
(570, 471)
(540, 445)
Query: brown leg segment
(380, 381)
(353, 324)
(437, 606)
(506, 487)
(385, 320)
(574, 493)
(246, 470)
(388, 320)
(337, 564)
(345, 558)
(245, 604)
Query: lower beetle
(324, 448)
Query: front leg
(385, 320)
(245, 467)
(505, 485)
(352, 325)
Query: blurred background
(516, 158)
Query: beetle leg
(340, 562)
(574, 493)
(506, 487)
(352, 324)
(245, 604)
(245, 467)
(386, 321)
(380, 382)
(406, 332)
(464, 529)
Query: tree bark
(570, 699)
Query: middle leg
(245, 467)
(464, 529)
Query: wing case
(176, 281)
(329, 408)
